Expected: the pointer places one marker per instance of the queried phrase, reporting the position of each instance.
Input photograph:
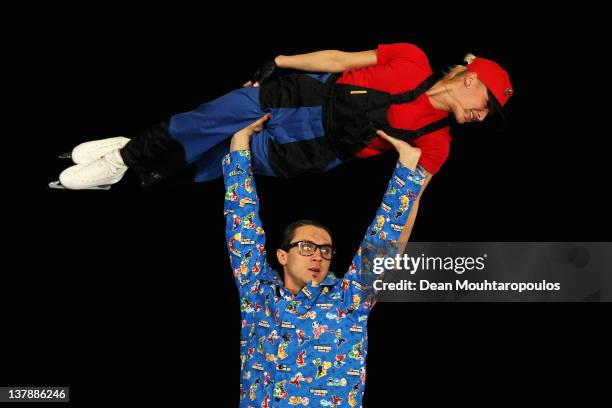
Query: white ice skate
(93, 150)
(97, 175)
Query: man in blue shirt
(304, 337)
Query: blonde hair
(458, 70)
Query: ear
(281, 256)
(469, 79)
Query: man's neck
(292, 286)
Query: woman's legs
(166, 149)
(214, 122)
(293, 141)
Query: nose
(481, 115)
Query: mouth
(314, 270)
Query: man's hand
(408, 155)
(263, 73)
(240, 140)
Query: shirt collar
(309, 294)
(270, 275)
(305, 298)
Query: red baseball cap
(495, 78)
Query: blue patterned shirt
(309, 349)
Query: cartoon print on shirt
(310, 332)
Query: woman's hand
(408, 155)
(240, 140)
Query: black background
(104, 291)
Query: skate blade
(67, 155)
(58, 186)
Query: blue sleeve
(382, 235)
(243, 231)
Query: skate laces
(112, 164)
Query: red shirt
(399, 68)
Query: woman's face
(471, 99)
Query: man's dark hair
(289, 231)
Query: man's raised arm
(383, 234)
(243, 232)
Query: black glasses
(307, 248)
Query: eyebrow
(312, 242)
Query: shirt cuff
(404, 173)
